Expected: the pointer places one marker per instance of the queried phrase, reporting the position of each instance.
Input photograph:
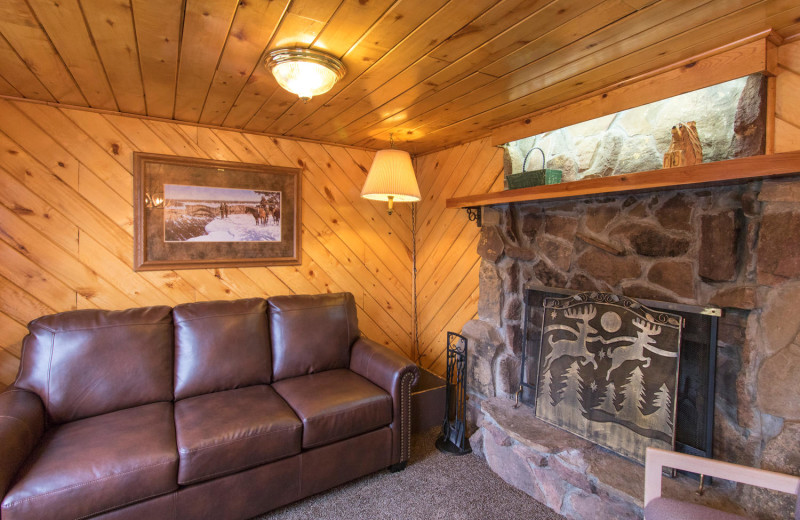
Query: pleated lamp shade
(391, 178)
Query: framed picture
(198, 213)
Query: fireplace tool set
(453, 439)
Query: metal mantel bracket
(475, 214)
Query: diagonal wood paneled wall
(447, 262)
(66, 224)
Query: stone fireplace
(734, 247)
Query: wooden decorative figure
(685, 148)
(608, 371)
(675, 155)
(692, 146)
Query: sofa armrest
(396, 374)
(381, 365)
(22, 423)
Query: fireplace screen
(608, 371)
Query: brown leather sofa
(210, 410)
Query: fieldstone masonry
(734, 247)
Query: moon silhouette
(611, 321)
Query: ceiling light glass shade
(391, 178)
(305, 72)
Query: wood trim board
(715, 173)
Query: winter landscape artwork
(210, 214)
(608, 371)
(200, 213)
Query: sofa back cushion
(311, 333)
(221, 345)
(89, 362)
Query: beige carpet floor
(433, 486)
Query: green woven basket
(533, 178)
(526, 179)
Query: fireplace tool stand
(453, 439)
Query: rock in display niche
(729, 117)
(733, 247)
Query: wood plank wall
(787, 99)
(66, 224)
(447, 259)
(447, 262)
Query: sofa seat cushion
(335, 405)
(97, 464)
(225, 432)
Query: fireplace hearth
(571, 475)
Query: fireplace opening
(694, 406)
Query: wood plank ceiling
(433, 72)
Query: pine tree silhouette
(661, 418)
(633, 392)
(572, 391)
(545, 388)
(570, 408)
(608, 401)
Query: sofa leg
(400, 466)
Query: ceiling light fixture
(391, 177)
(305, 72)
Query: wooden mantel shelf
(715, 173)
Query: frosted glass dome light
(305, 72)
